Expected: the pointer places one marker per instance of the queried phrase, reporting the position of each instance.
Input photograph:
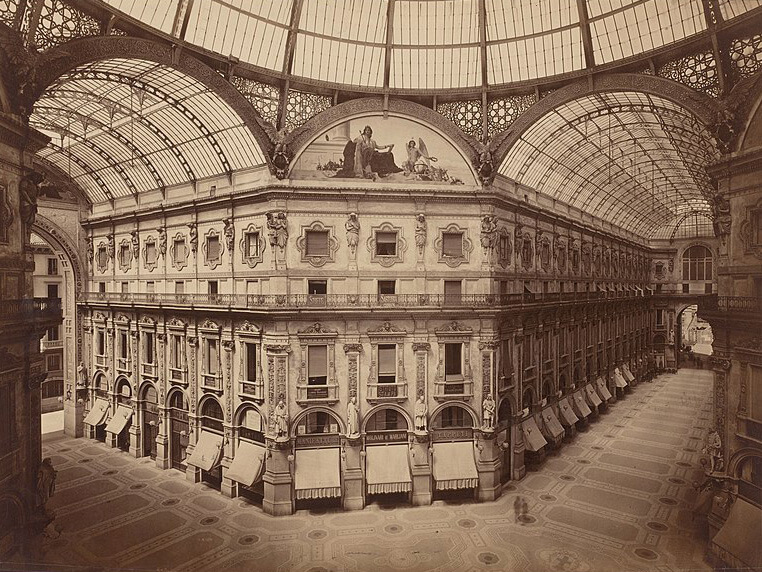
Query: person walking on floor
(517, 508)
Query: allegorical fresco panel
(392, 149)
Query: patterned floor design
(618, 498)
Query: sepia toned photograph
(381, 285)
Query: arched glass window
(526, 398)
(251, 425)
(211, 415)
(124, 392)
(387, 420)
(547, 388)
(317, 422)
(149, 394)
(453, 417)
(697, 263)
(177, 401)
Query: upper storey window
(317, 242)
(452, 244)
(697, 263)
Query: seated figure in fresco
(366, 159)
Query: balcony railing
(252, 389)
(387, 391)
(461, 389)
(51, 344)
(713, 303)
(149, 369)
(317, 393)
(30, 309)
(345, 301)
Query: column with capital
(489, 458)
(419, 446)
(163, 460)
(228, 487)
(352, 453)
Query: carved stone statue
(278, 229)
(162, 240)
(713, 448)
(489, 234)
(420, 233)
(135, 244)
(46, 482)
(281, 157)
(488, 413)
(484, 166)
(111, 247)
(81, 375)
(353, 418)
(559, 252)
(353, 232)
(90, 252)
(229, 234)
(420, 414)
(574, 255)
(722, 218)
(281, 420)
(28, 192)
(193, 234)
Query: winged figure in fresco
(418, 159)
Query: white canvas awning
(619, 380)
(533, 439)
(248, 464)
(603, 391)
(98, 412)
(737, 542)
(552, 425)
(566, 412)
(593, 398)
(628, 373)
(120, 419)
(387, 469)
(207, 451)
(455, 466)
(580, 405)
(317, 473)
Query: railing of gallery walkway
(731, 304)
(349, 301)
(27, 309)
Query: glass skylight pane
(445, 22)
(732, 8)
(506, 20)
(439, 68)
(354, 20)
(341, 62)
(159, 15)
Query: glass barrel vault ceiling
(432, 44)
(120, 127)
(633, 159)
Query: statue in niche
(659, 270)
(420, 414)
(420, 233)
(543, 250)
(29, 190)
(586, 258)
(90, 251)
(559, 251)
(353, 232)
(722, 218)
(111, 247)
(574, 255)
(229, 233)
(46, 482)
(713, 448)
(278, 229)
(488, 413)
(671, 264)
(607, 261)
(597, 260)
(615, 264)
(526, 252)
(489, 234)
(135, 244)
(281, 420)
(353, 418)
(81, 375)
(193, 234)
(162, 240)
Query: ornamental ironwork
(465, 114)
(60, 23)
(8, 9)
(302, 106)
(746, 55)
(502, 112)
(263, 96)
(698, 71)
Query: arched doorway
(149, 411)
(178, 428)
(504, 420)
(695, 338)
(453, 456)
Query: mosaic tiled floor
(617, 498)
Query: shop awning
(603, 391)
(248, 465)
(580, 405)
(317, 473)
(552, 425)
(387, 469)
(619, 380)
(454, 466)
(566, 412)
(592, 396)
(533, 439)
(98, 412)
(737, 542)
(120, 419)
(628, 373)
(207, 452)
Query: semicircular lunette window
(120, 127)
(635, 160)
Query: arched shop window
(387, 420)
(750, 483)
(547, 388)
(124, 392)
(251, 426)
(211, 415)
(697, 263)
(149, 394)
(453, 417)
(526, 399)
(317, 423)
(177, 401)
